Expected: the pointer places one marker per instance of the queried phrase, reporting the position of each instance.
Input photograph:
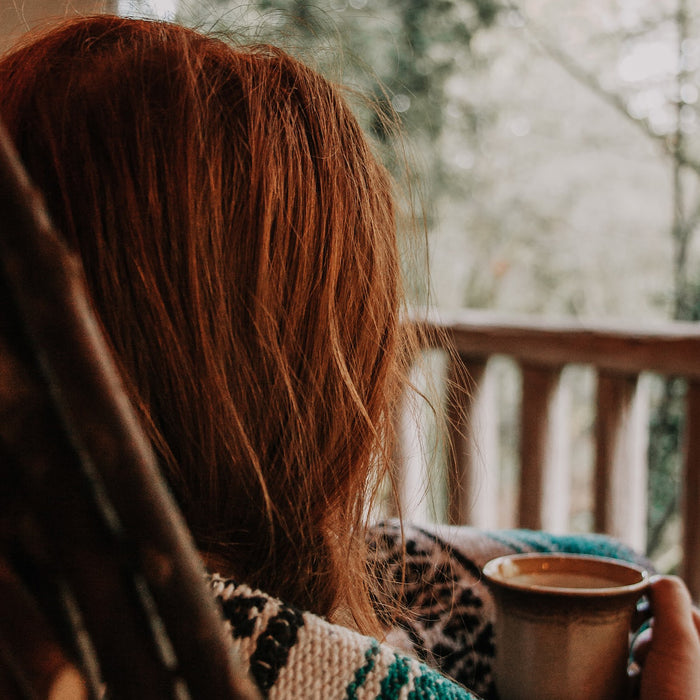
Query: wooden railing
(621, 358)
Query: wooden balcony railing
(621, 358)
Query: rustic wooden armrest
(87, 522)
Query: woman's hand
(670, 660)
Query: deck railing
(621, 357)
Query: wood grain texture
(473, 444)
(666, 348)
(544, 464)
(621, 458)
(107, 526)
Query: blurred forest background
(552, 149)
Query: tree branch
(589, 80)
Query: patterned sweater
(442, 649)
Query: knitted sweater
(442, 649)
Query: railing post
(545, 482)
(622, 437)
(409, 470)
(691, 492)
(473, 444)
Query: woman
(238, 238)
(238, 242)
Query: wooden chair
(96, 563)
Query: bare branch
(591, 81)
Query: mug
(563, 625)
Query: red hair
(239, 242)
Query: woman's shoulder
(294, 654)
(442, 611)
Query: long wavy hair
(239, 242)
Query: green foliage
(399, 52)
(664, 456)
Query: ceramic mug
(563, 625)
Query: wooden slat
(545, 483)
(691, 493)
(621, 457)
(668, 348)
(410, 478)
(473, 450)
(78, 463)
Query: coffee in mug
(563, 625)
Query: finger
(674, 619)
(696, 619)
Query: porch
(624, 363)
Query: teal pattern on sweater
(535, 541)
